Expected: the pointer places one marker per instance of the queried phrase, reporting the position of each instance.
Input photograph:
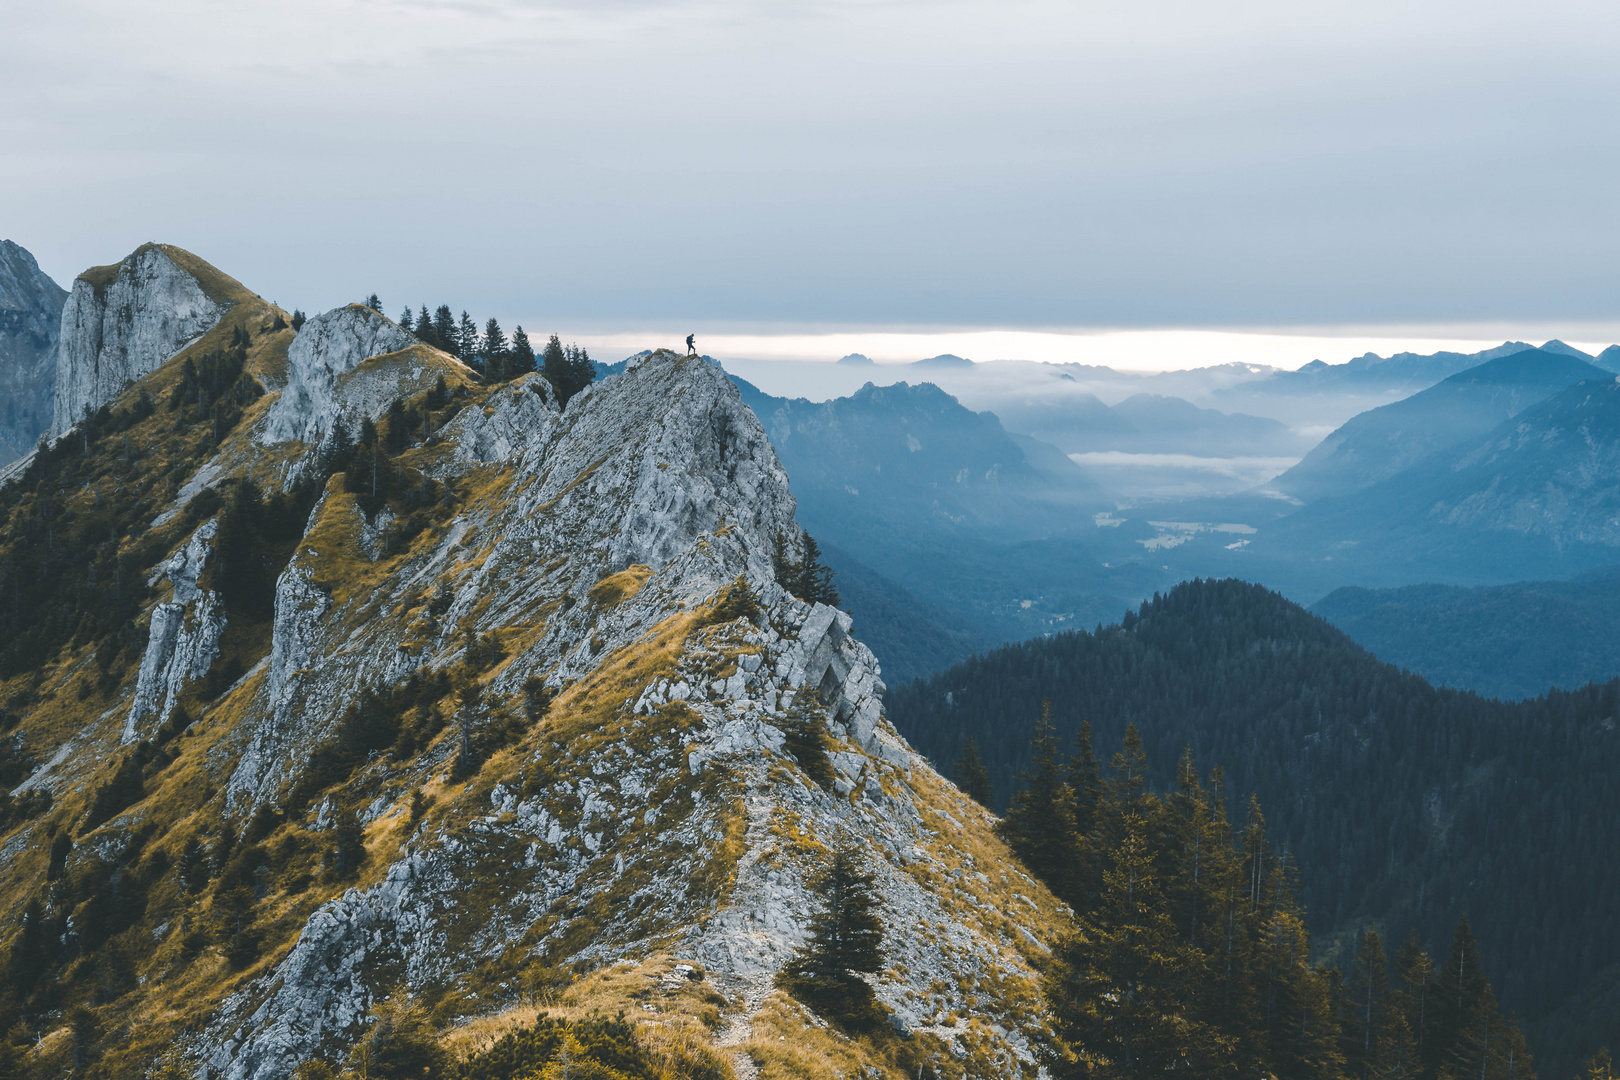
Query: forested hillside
(1503, 641)
(1400, 803)
(1191, 955)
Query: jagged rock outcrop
(122, 322)
(182, 641)
(328, 347)
(30, 320)
(615, 523)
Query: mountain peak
(125, 320)
(320, 359)
(1556, 346)
(943, 360)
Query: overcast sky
(727, 164)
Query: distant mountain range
(1382, 442)
(955, 530)
(1536, 496)
(1148, 424)
(949, 534)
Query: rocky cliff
(523, 706)
(124, 321)
(30, 319)
(329, 347)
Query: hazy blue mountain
(910, 636)
(856, 359)
(943, 360)
(1556, 346)
(1171, 425)
(30, 320)
(1143, 423)
(1609, 359)
(915, 450)
(1503, 641)
(1539, 496)
(1382, 442)
(1076, 421)
(954, 534)
(1399, 369)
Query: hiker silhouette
(691, 349)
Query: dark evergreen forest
(1403, 806)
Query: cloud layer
(1109, 164)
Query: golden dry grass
(615, 589)
(675, 1018)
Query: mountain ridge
(1376, 445)
(490, 690)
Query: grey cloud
(905, 162)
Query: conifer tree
(193, 868)
(815, 578)
(1301, 1030)
(1122, 989)
(522, 352)
(298, 320)
(971, 775)
(1124, 791)
(1412, 996)
(424, 328)
(582, 367)
(1456, 997)
(467, 337)
(374, 304)
(31, 949)
(1364, 1021)
(847, 936)
(1086, 781)
(405, 319)
(564, 371)
(444, 328)
(1193, 836)
(494, 350)
(1040, 825)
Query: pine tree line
(492, 353)
(1190, 953)
(804, 575)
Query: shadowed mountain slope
(1503, 641)
(30, 320)
(1399, 803)
(1376, 445)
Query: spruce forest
(1399, 814)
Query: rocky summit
(387, 696)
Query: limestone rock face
(183, 641)
(327, 347)
(121, 323)
(30, 320)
